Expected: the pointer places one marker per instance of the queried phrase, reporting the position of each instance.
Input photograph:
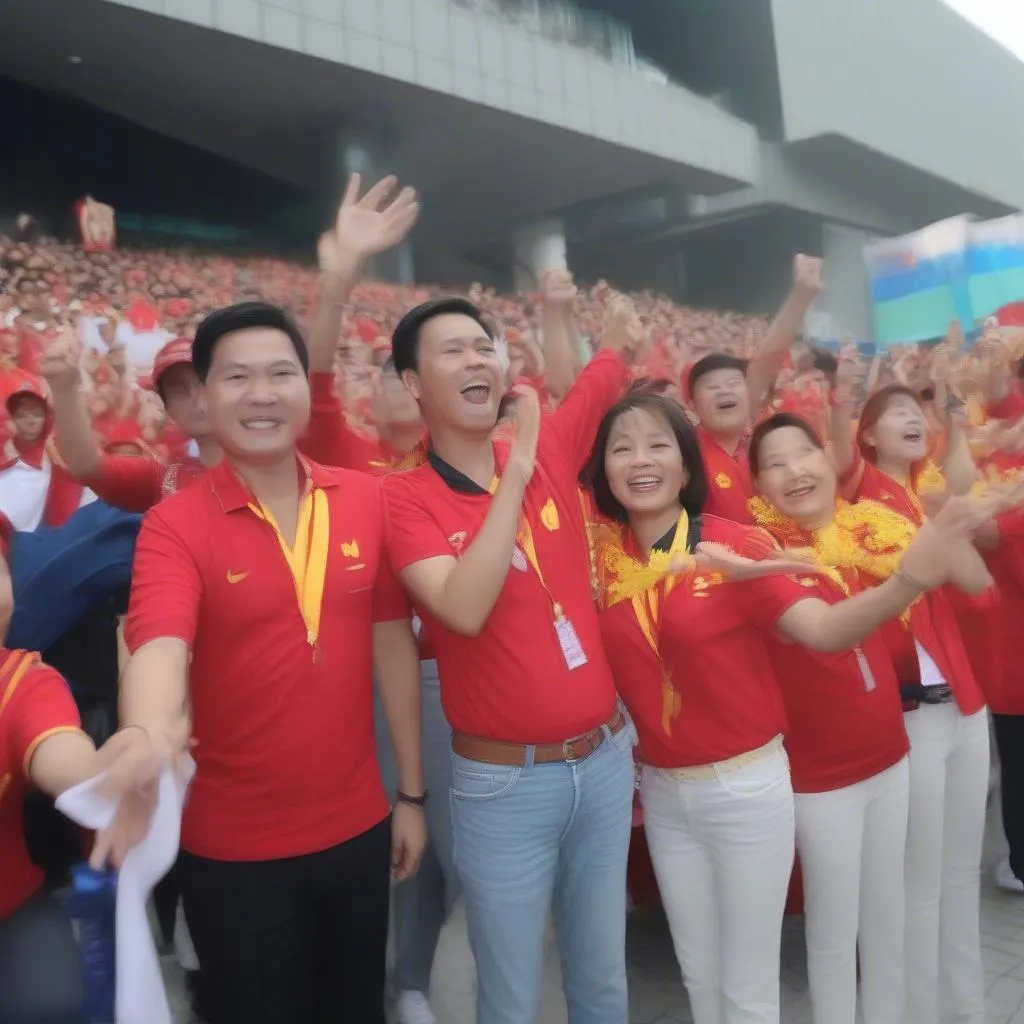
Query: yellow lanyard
(307, 560)
(646, 604)
(524, 538)
(647, 608)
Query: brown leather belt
(512, 755)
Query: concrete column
(538, 247)
(846, 298)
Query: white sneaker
(1007, 880)
(413, 1008)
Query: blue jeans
(421, 905)
(527, 839)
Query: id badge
(865, 671)
(572, 649)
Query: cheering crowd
(585, 555)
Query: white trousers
(852, 843)
(722, 851)
(949, 768)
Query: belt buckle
(591, 740)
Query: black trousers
(295, 941)
(40, 966)
(1009, 731)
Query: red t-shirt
(729, 484)
(286, 761)
(845, 724)
(933, 622)
(512, 682)
(711, 641)
(35, 703)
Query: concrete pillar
(846, 298)
(538, 247)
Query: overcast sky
(1002, 19)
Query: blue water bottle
(92, 905)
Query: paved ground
(656, 991)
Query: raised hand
(926, 561)
(623, 330)
(523, 455)
(850, 377)
(558, 289)
(367, 226)
(61, 362)
(808, 274)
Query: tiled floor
(656, 992)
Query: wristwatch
(415, 801)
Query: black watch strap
(416, 801)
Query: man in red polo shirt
(489, 538)
(262, 599)
(129, 482)
(727, 394)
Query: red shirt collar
(233, 494)
(707, 438)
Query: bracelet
(413, 801)
(910, 580)
(133, 725)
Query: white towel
(141, 997)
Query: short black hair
(711, 362)
(825, 362)
(406, 337)
(240, 317)
(777, 422)
(694, 494)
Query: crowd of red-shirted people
(129, 301)
(548, 557)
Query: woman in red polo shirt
(846, 739)
(886, 461)
(690, 659)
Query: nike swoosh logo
(236, 577)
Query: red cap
(125, 432)
(176, 352)
(31, 387)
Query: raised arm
(461, 593)
(782, 331)
(571, 428)
(363, 228)
(925, 565)
(558, 300)
(78, 446)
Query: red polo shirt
(512, 682)
(286, 757)
(711, 641)
(845, 724)
(729, 484)
(35, 703)
(933, 623)
(991, 634)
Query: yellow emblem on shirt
(724, 481)
(351, 549)
(549, 515)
